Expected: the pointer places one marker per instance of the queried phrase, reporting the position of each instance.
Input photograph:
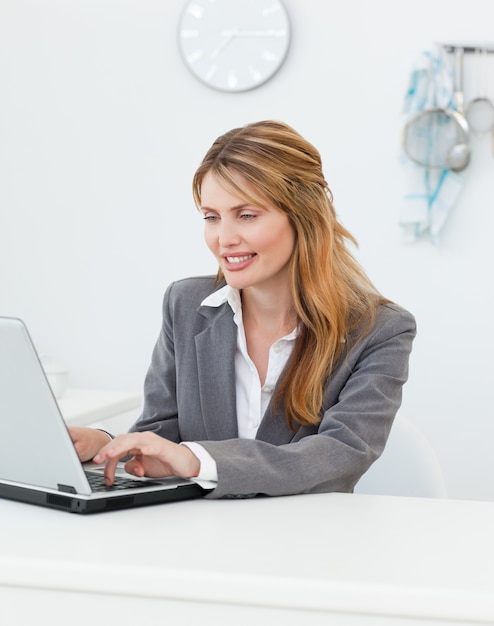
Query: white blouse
(252, 398)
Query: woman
(283, 374)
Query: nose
(228, 235)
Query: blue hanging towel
(430, 193)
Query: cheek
(282, 241)
(209, 239)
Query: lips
(238, 261)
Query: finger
(111, 457)
(135, 467)
(117, 448)
(109, 472)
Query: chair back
(408, 466)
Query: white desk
(337, 559)
(113, 410)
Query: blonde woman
(282, 374)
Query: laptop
(39, 463)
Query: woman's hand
(87, 441)
(152, 456)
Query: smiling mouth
(239, 259)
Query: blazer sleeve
(361, 399)
(160, 413)
(188, 387)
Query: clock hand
(229, 36)
(257, 33)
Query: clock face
(234, 45)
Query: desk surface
(351, 554)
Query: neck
(272, 314)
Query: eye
(247, 217)
(211, 218)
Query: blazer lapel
(216, 346)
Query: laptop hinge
(66, 488)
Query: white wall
(102, 127)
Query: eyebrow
(232, 208)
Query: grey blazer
(189, 395)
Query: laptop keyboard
(97, 482)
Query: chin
(236, 284)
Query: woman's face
(252, 245)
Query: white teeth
(238, 259)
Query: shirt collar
(232, 296)
(225, 294)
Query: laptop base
(74, 504)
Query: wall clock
(234, 45)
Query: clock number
(196, 10)
(232, 79)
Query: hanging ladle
(459, 155)
(479, 112)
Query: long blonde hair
(332, 295)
